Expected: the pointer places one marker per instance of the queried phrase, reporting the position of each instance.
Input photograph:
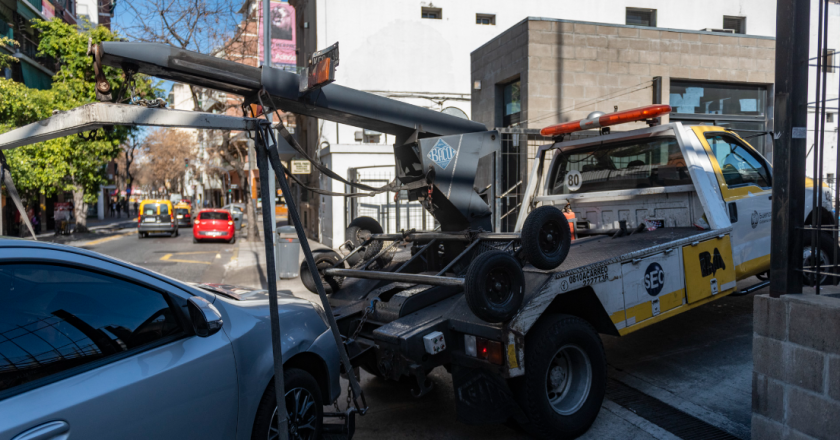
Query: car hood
(239, 293)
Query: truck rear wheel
(565, 377)
(323, 261)
(494, 286)
(357, 232)
(546, 237)
(825, 253)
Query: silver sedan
(95, 348)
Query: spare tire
(546, 237)
(359, 230)
(324, 259)
(494, 286)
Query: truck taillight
(482, 348)
(636, 114)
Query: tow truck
(616, 232)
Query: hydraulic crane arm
(332, 102)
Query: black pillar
(789, 145)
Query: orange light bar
(636, 114)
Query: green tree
(70, 163)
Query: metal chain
(368, 310)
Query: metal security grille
(393, 215)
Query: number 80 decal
(574, 180)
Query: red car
(213, 224)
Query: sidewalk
(95, 226)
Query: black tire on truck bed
(356, 232)
(546, 237)
(494, 286)
(542, 393)
(324, 259)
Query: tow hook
(424, 385)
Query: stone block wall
(796, 372)
(573, 68)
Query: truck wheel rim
(809, 261)
(549, 237)
(499, 289)
(302, 418)
(568, 380)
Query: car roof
(213, 210)
(157, 201)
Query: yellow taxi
(155, 217)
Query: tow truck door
(745, 185)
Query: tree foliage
(69, 163)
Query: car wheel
(357, 232)
(494, 286)
(565, 382)
(303, 404)
(323, 260)
(546, 237)
(232, 240)
(824, 253)
(195, 240)
(139, 235)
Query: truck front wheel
(565, 377)
(824, 252)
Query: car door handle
(55, 430)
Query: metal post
(791, 111)
(269, 195)
(279, 385)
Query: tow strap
(6, 176)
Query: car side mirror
(205, 317)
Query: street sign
(234, 186)
(301, 167)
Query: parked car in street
(237, 210)
(214, 224)
(183, 214)
(103, 349)
(156, 216)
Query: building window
(828, 62)
(485, 19)
(738, 107)
(737, 25)
(512, 104)
(641, 17)
(433, 13)
(829, 117)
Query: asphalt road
(699, 362)
(177, 257)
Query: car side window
(738, 164)
(54, 318)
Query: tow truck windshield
(645, 163)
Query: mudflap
(482, 397)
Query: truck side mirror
(205, 317)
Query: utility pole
(789, 145)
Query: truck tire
(546, 237)
(323, 260)
(559, 348)
(494, 286)
(825, 253)
(357, 232)
(301, 388)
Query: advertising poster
(282, 26)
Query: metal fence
(393, 215)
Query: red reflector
(489, 350)
(636, 114)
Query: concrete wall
(569, 69)
(796, 376)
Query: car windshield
(213, 216)
(645, 163)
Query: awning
(33, 77)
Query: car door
(101, 354)
(746, 185)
